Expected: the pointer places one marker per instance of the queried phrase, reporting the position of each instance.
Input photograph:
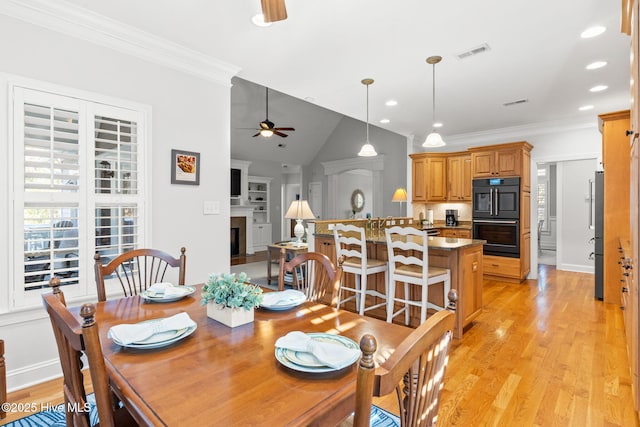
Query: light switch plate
(210, 207)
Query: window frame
(90, 105)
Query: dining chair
(75, 339)
(415, 371)
(408, 254)
(314, 274)
(352, 245)
(138, 269)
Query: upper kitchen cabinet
(437, 179)
(498, 160)
(429, 172)
(459, 173)
(419, 174)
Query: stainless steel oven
(502, 236)
(496, 198)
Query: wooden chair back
(138, 269)
(3, 382)
(415, 371)
(73, 339)
(314, 274)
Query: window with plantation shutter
(78, 189)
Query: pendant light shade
(434, 139)
(367, 149)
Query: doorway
(562, 215)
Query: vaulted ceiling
(533, 53)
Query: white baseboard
(28, 376)
(576, 267)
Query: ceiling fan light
(367, 150)
(433, 140)
(266, 133)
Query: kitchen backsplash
(464, 210)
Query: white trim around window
(56, 145)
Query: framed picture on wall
(185, 167)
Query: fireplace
(238, 235)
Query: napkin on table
(167, 289)
(330, 354)
(128, 333)
(286, 297)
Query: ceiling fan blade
(257, 134)
(283, 129)
(274, 10)
(284, 135)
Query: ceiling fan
(273, 10)
(267, 127)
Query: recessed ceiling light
(258, 20)
(586, 107)
(391, 103)
(596, 65)
(437, 125)
(309, 99)
(384, 121)
(598, 88)
(592, 32)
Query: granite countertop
(445, 243)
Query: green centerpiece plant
(231, 299)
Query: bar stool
(352, 244)
(412, 268)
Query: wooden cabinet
(630, 257)
(501, 266)
(455, 232)
(471, 305)
(441, 177)
(459, 178)
(436, 179)
(496, 160)
(616, 162)
(525, 206)
(419, 175)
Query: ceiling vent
(519, 101)
(474, 51)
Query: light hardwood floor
(543, 353)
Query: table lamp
(299, 210)
(400, 195)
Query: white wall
(573, 215)
(349, 181)
(188, 113)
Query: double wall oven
(496, 215)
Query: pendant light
(367, 149)
(434, 139)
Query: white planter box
(231, 317)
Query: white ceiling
(326, 47)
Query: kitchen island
(462, 256)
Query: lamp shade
(367, 150)
(433, 140)
(299, 209)
(400, 195)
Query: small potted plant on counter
(231, 299)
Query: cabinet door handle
(625, 289)
(629, 132)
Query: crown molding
(65, 18)
(519, 132)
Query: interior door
(315, 198)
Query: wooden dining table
(230, 376)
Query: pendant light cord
(367, 113)
(434, 97)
